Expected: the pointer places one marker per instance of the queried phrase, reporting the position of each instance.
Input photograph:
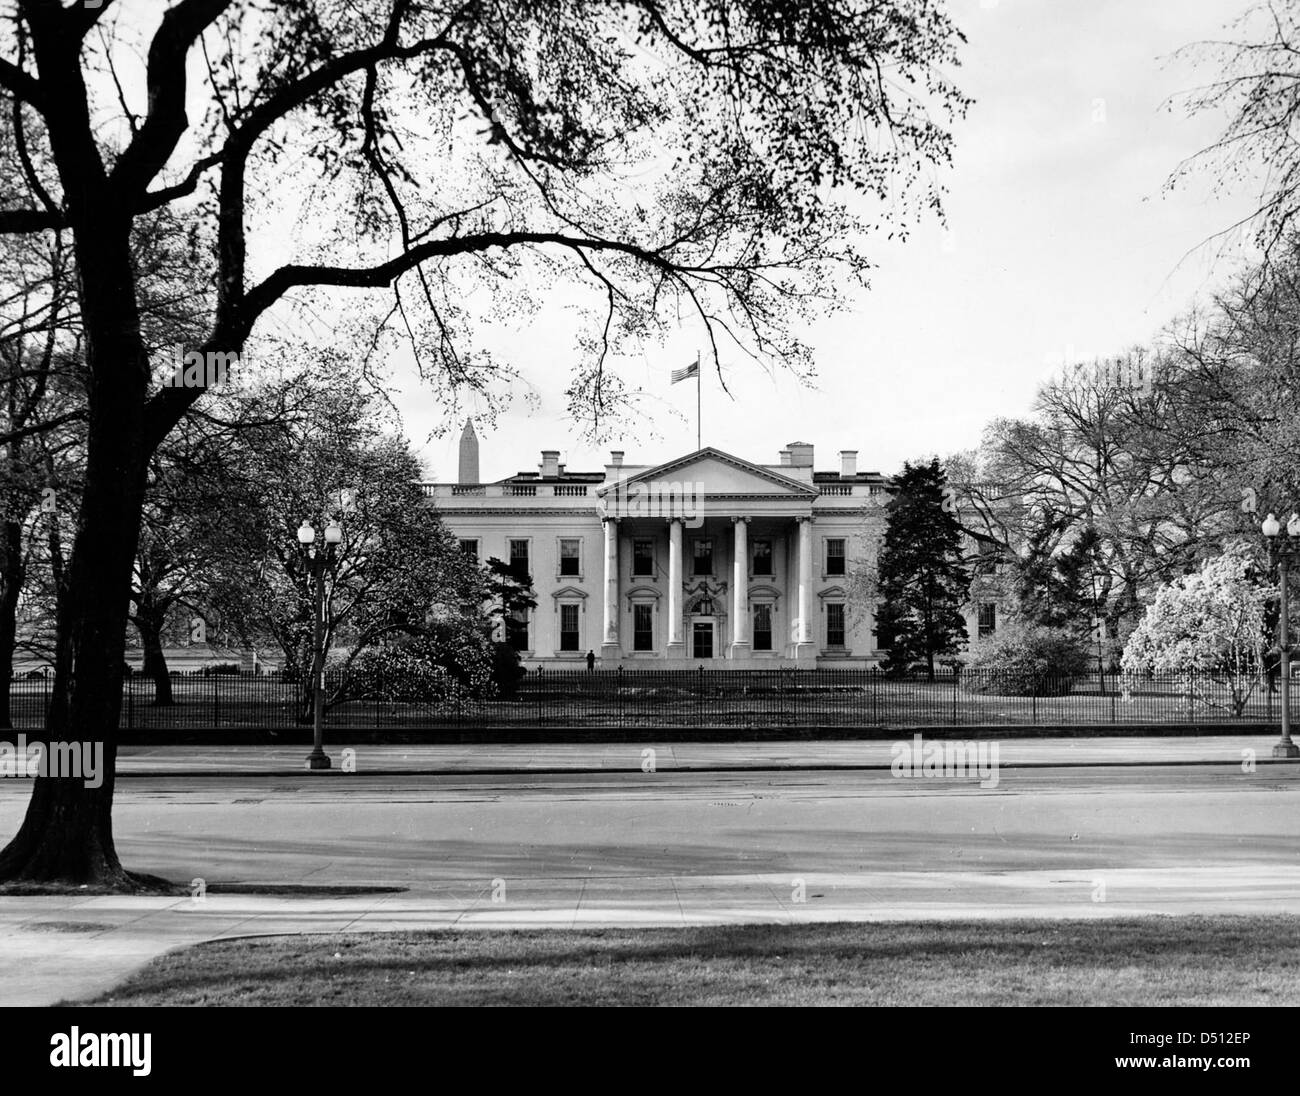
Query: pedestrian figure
(591, 661)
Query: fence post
(1033, 704)
(216, 701)
(130, 705)
(1112, 705)
(954, 699)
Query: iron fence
(703, 698)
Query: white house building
(705, 557)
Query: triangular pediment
(720, 473)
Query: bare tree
(1258, 86)
(1108, 454)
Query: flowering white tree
(1207, 627)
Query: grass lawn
(1146, 961)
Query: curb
(762, 767)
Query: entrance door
(702, 639)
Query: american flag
(692, 370)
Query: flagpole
(698, 371)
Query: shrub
(447, 664)
(1025, 660)
(485, 668)
(400, 675)
(220, 668)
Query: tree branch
(42, 427)
(22, 85)
(13, 221)
(153, 145)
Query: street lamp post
(318, 564)
(1279, 551)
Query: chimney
(785, 458)
(468, 454)
(848, 463)
(550, 463)
(616, 458)
(801, 454)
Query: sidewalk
(494, 759)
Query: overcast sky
(1062, 243)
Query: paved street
(672, 847)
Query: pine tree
(1056, 589)
(513, 590)
(923, 582)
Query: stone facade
(706, 558)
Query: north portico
(706, 558)
(738, 541)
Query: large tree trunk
(67, 834)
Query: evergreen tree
(514, 599)
(923, 581)
(1056, 588)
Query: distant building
(705, 558)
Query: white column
(740, 590)
(675, 588)
(804, 645)
(609, 645)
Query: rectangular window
(517, 630)
(762, 557)
(519, 560)
(469, 545)
(643, 557)
(835, 555)
(569, 627)
(570, 557)
(835, 624)
(762, 627)
(702, 556)
(643, 628)
(988, 619)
